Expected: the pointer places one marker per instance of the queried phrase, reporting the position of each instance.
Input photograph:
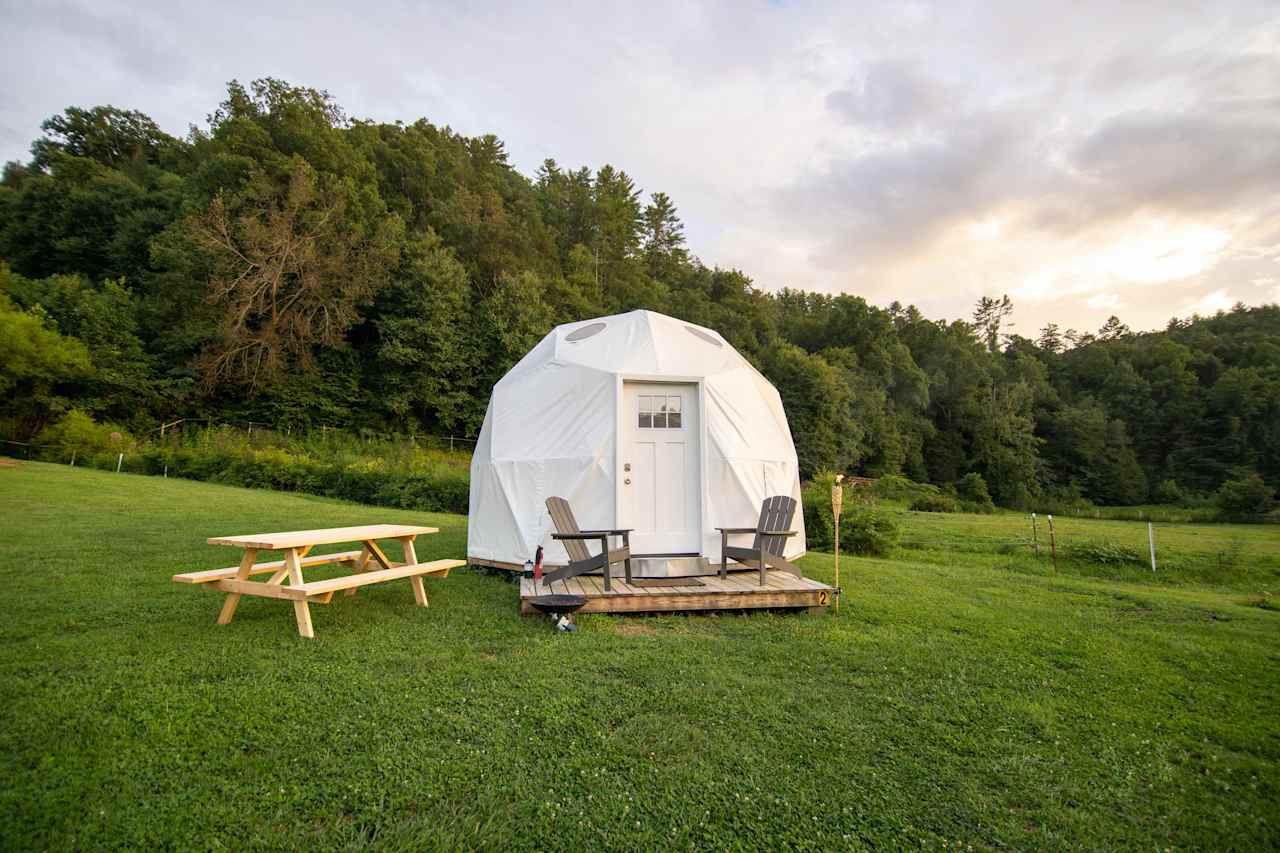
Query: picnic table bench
(234, 580)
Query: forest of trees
(292, 266)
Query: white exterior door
(661, 467)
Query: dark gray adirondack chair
(580, 559)
(771, 533)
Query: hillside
(291, 266)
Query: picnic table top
(325, 536)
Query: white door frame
(619, 420)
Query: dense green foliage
(960, 698)
(865, 528)
(292, 266)
(935, 503)
(1246, 497)
(385, 473)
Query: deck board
(739, 591)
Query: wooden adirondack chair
(580, 559)
(771, 533)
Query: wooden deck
(739, 591)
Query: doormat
(666, 582)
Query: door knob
(627, 481)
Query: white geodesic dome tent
(639, 420)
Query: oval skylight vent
(698, 333)
(585, 332)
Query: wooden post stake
(1053, 543)
(837, 504)
(73, 459)
(1151, 540)
(1035, 536)
(119, 462)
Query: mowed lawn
(947, 703)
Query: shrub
(934, 503)
(901, 490)
(407, 477)
(868, 530)
(865, 528)
(1167, 492)
(1063, 500)
(77, 433)
(973, 489)
(815, 500)
(1245, 497)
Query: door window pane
(660, 413)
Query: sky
(1087, 159)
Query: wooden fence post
(1053, 544)
(1035, 536)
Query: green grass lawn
(954, 699)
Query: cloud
(1105, 302)
(1178, 161)
(1123, 155)
(889, 94)
(1210, 303)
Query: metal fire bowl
(558, 604)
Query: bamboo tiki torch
(837, 504)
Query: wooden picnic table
(296, 544)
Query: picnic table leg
(361, 564)
(278, 577)
(411, 558)
(233, 598)
(301, 611)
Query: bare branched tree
(289, 271)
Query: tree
(511, 316)
(104, 318)
(1246, 497)
(1090, 451)
(988, 316)
(34, 359)
(663, 237)
(1113, 329)
(1050, 339)
(427, 358)
(107, 135)
(816, 401)
(973, 488)
(289, 269)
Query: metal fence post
(1151, 540)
